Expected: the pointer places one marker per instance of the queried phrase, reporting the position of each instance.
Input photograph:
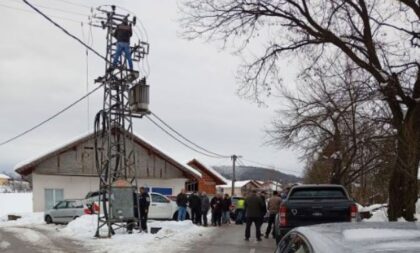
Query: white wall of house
(76, 187)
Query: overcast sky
(193, 87)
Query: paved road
(21, 239)
(230, 239)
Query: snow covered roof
(210, 170)
(2, 176)
(26, 167)
(238, 184)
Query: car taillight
(353, 213)
(96, 208)
(282, 216)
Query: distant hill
(257, 173)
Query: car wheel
(48, 219)
(279, 236)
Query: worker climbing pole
(126, 95)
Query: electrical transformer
(139, 98)
(122, 208)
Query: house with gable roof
(69, 171)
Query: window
(162, 190)
(61, 205)
(159, 199)
(191, 186)
(75, 204)
(316, 193)
(51, 197)
(293, 243)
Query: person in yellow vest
(239, 211)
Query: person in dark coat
(216, 208)
(144, 203)
(254, 206)
(226, 204)
(123, 34)
(195, 206)
(205, 206)
(182, 201)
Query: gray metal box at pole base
(139, 98)
(122, 203)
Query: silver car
(65, 211)
(361, 237)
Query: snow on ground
(173, 237)
(15, 203)
(4, 245)
(380, 212)
(28, 219)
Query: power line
(186, 139)
(75, 4)
(50, 118)
(64, 30)
(265, 165)
(178, 140)
(54, 9)
(28, 11)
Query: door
(160, 207)
(74, 209)
(58, 212)
(52, 197)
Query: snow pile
(372, 208)
(5, 188)
(4, 244)
(175, 234)
(15, 203)
(28, 219)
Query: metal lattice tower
(114, 147)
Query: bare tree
(330, 118)
(380, 37)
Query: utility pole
(125, 96)
(234, 158)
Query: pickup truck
(314, 204)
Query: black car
(314, 204)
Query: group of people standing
(200, 205)
(250, 210)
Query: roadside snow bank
(15, 203)
(378, 216)
(175, 234)
(28, 219)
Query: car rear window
(317, 193)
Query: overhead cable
(75, 4)
(24, 10)
(265, 165)
(186, 139)
(50, 118)
(53, 8)
(178, 140)
(64, 30)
